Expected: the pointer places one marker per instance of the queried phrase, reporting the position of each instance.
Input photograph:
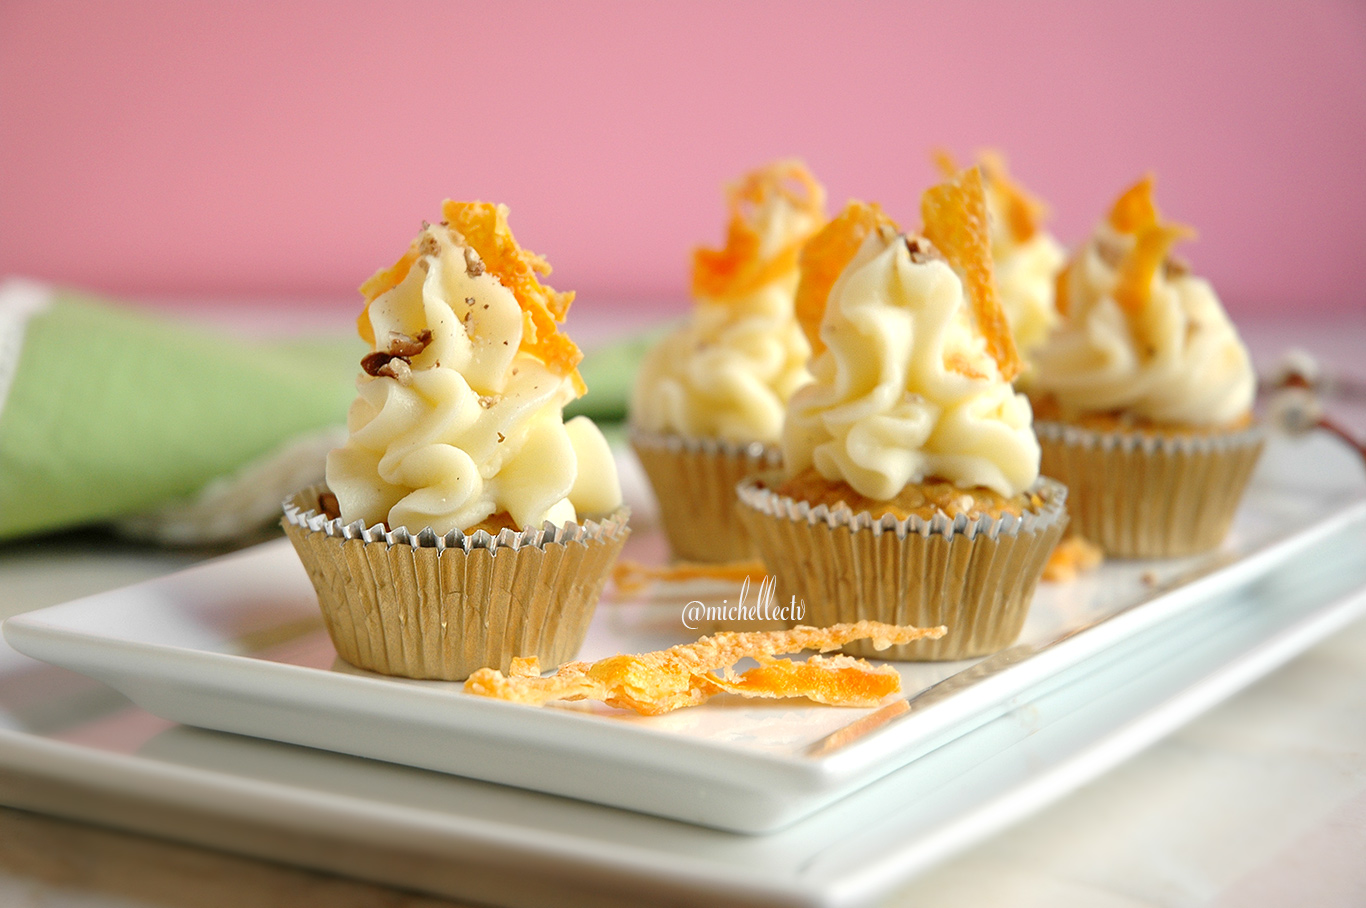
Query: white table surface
(1260, 802)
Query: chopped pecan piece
(373, 362)
(474, 265)
(397, 369)
(922, 250)
(408, 347)
(327, 504)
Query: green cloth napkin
(107, 412)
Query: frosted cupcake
(464, 522)
(1144, 393)
(911, 489)
(1026, 258)
(707, 407)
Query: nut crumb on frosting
(922, 250)
(398, 369)
(474, 265)
(404, 346)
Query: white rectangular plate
(235, 645)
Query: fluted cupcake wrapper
(1140, 495)
(429, 606)
(694, 481)
(976, 577)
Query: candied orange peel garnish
(1142, 262)
(739, 267)
(1062, 293)
(631, 577)
(662, 681)
(1022, 211)
(484, 228)
(825, 256)
(1135, 209)
(956, 222)
(1134, 287)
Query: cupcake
(707, 407)
(1144, 393)
(910, 491)
(464, 522)
(1025, 257)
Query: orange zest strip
(662, 681)
(738, 268)
(956, 222)
(485, 228)
(1023, 212)
(825, 256)
(1142, 262)
(1062, 299)
(1135, 209)
(835, 681)
(631, 577)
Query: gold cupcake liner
(1139, 495)
(976, 577)
(429, 606)
(694, 481)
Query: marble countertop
(1260, 802)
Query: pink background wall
(287, 149)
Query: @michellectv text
(761, 608)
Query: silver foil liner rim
(310, 518)
(1147, 441)
(764, 454)
(1054, 494)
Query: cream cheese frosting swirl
(454, 420)
(729, 370)
(1167, 353)
(1026, 273)
(906, 388)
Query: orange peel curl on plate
(483, 226)
(739, 267)
(956, 222)
(681, 676)
(825, 256)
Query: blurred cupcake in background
(910, 492)
(1026, 258)
(1143, 395)
(707, 407)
